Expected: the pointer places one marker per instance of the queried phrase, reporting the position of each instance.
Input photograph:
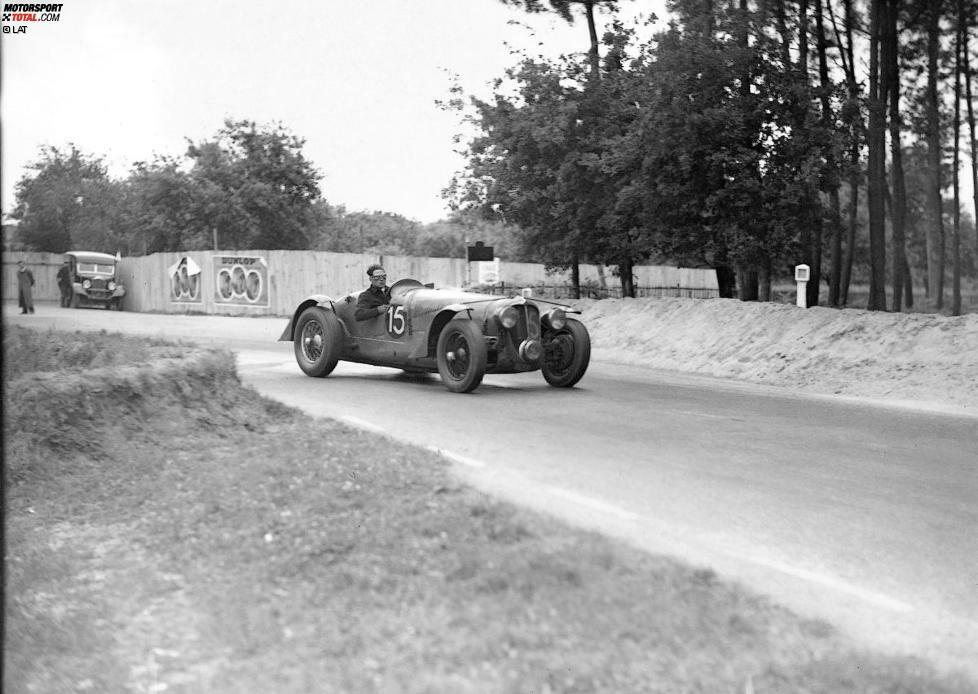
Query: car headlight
(87, 284)
(555, 318)
(111, 285)
(509, 317)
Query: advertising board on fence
(241, 280)
(185, 282)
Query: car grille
(528, 325)
(99, 289)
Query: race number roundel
(396, 321)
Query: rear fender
(441, 320)
(316, 300)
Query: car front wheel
(318, 341)
(566, 354)
(461, 356)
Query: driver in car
(375, 300)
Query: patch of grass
(53, 350)
(214, 541)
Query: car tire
(318, 341)
(461, 356)
(118, 304)
(75, 302)
(566, 354)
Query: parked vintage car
(94, 281)
(461, 335)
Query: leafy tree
(254, 187)
(526, 165)
(564, 8)
(65, 202)
(160, 203)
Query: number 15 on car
(396, 321)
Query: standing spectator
(25, 287)
(64, 284)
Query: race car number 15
(396, 323)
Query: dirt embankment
(928, 360)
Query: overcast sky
(357, 79)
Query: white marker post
(801, 277)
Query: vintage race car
(461, 335)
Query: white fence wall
(290, 276)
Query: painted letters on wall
(241, 280)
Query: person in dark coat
(64, 284)
(375, 300)
(25, 287)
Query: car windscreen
(97, 268)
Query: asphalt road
(861, 515)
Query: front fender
(320, 300)
(440, 320)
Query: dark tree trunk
(592, 54)
(835, 269)
(803, 37)
(907, 283)
(853, 222)
(626, 274)
(855, 133)
(575, 277)
(726, 281)
(831, 180)
(956, 169)
(898, 208)
(747, 281)
(877, 166)
(764, 280)
(934, 223)
(815, 261)
(973, 145)
(782, 23)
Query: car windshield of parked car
(97, 268)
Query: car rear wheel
(461, 356)
(566, 354)
(318, 341)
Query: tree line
(247, 187)
(748, 135)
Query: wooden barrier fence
(273, 282)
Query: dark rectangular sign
(480, 252)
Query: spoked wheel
(461, 356)
(566, 354)
(318, 341)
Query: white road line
(362, 424)
(825, 580)
(870, 596)
(464, 460)
(594, 504)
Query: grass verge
(170, 530)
